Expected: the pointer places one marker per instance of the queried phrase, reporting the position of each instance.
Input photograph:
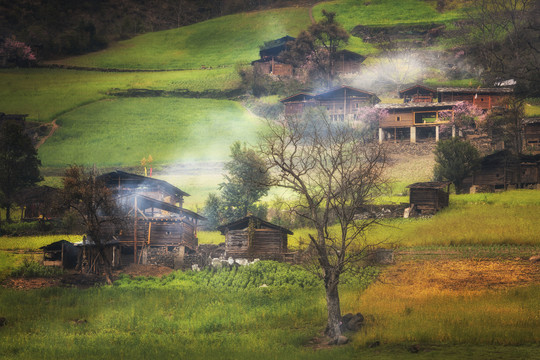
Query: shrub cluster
(270, 273)
(32, 269)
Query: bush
(31, 269)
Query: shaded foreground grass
(47, 93)
(120, 132)
(181, 317)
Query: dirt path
(311, 12)
(53, 129)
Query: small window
(328, 108)
(398, 118)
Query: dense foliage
(261, 274)
(19, 163)
(455, 160)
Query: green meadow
(224, 41)
(45, 94)
(121, 131)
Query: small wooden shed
(252, 237)
(90, 260)
(429, 197)
(60, 253)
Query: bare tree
(93, 202)
(332, 171)
(505, 39)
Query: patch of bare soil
(465, 274)
(144, 270)
(29, 284)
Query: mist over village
(267, 179)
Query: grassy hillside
(386, 12)
(117, 132)
(223, 41)
(45, 94)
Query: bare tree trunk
(332, 305)
(106, 265)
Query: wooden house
(298, 103)
(531, 133)
(504, 169)
(428, 197)
(348, 62)
(414, 120)
(339, 102)
(418, 93)
(158, 229)
(484, 98)
(254, 238)
(269, 62)
(60, 253)
(122, 183)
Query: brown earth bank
(462, 274)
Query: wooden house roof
(303, 96)
(145, 202)
(244, 223)
(500, 90)
(275, 47)
(346, 91)
(116, 178)
(348, 55)
(429, 185)
(417, 89)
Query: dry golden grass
(452, 301)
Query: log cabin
(427, 198)
(418, 93)
(253, 238)
(531, 134)
(158, 229)
(339, 102)
(503, 169)
(414, 120)
(484, 98)
(269, 62)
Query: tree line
(58, 28)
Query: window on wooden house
(398, 118)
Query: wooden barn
(503, 169)
(414, 120)
(269, 62)
(60, 253)
(484, 98)
(426, 198)
(418, 93)
(339, 102)
(254, 238)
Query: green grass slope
(223, 41)
(47, 93)
(120, 132)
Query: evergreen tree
(455, 160)
(19, 164)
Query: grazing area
(224, 41)
(45, 94)
(116, 132)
